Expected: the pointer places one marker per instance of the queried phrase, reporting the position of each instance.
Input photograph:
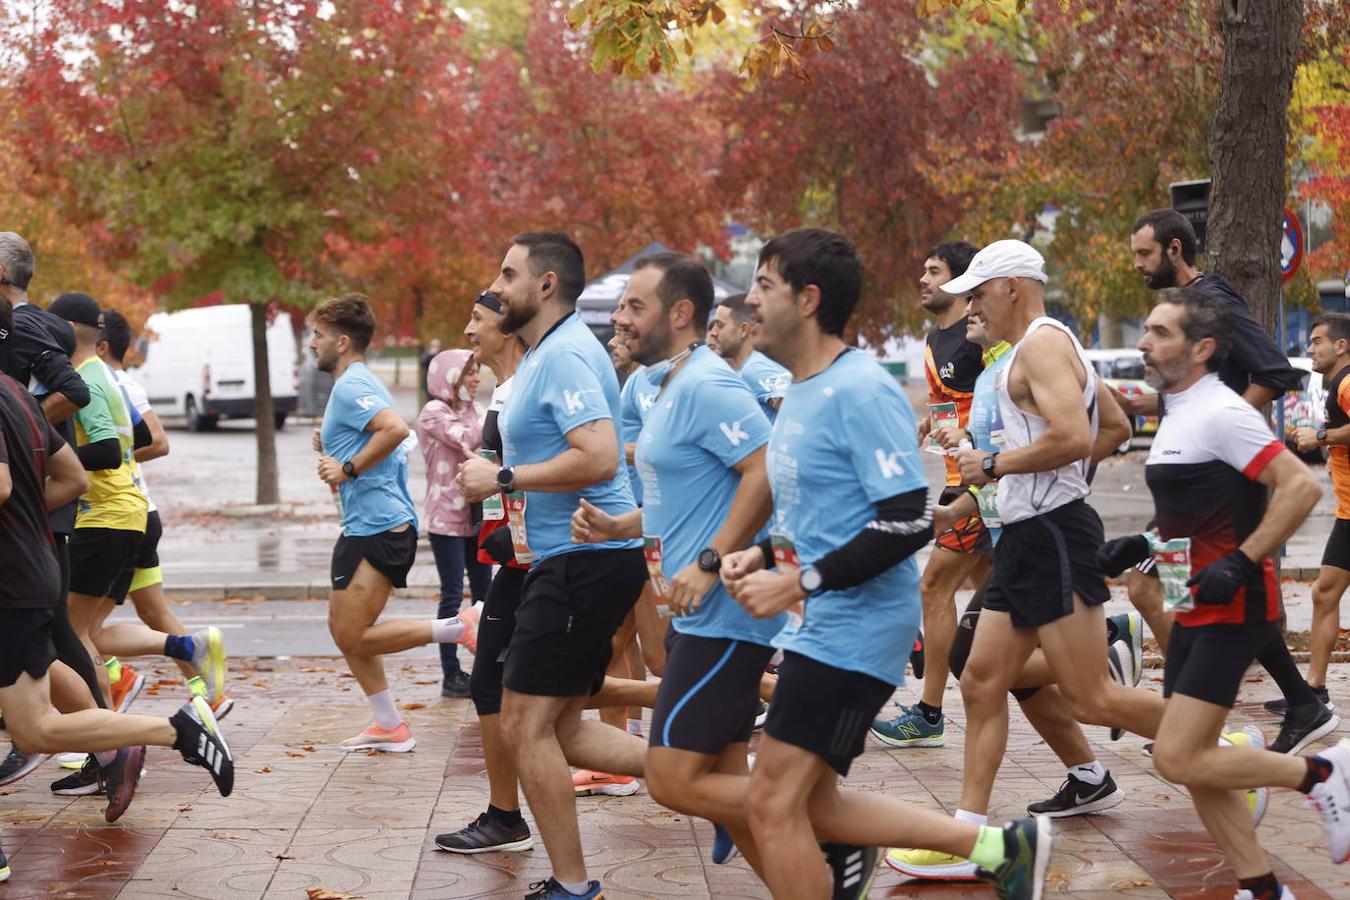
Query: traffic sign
(1291, 246)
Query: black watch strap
(349, 469)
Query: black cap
(79, 308)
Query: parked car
(1123, 369)
(1304, 407)
(198, 364)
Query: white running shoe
(1332, 799)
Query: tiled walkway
(303, 816)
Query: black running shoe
(18, 764)
(1078, 798)
(486, 835)
(85, 782)
(1280, 706)
(1302, 725)
(852, 868)
(121, 779)
(202, 743)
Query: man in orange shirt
(1329, 349)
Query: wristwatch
(810, 580)
(1321, 435)
(349, 470)
(709, 560)
(987, 466)
(506, 478)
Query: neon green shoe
(1250, 736)
(208, 657)
(930, 865)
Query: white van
(198, 363)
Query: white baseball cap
(1001, 259)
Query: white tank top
(1036, 493)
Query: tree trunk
(265, 422)
(1248, 145)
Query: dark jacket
(1254, 357)
(39, 351)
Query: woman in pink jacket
(449, 430)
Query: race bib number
(942, 415)
(515, 520)
(987, 500)
(651, 550)
(493, 510)
(1173, 559)
(785, 556)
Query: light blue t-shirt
(635, 399)
(564, 382)
(767, 380)
(377, 500)
(703, 423)
(986, 427)
(844, 440)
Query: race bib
(987, 500)
(493, 510)
(1173, 559)
(651, 550)
(785, 556)
(942, 415)
(515, 520)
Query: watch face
(709, 560)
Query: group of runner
(758, 485)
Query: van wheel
(279, 419)
(196, 420)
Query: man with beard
(1164, 248)
(952, 364)
(360, 442)
(730, 336)
(560, 447)
(1209, 469)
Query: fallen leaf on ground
(295, 755)
(265, 770)
(414, 706)
(325, 894)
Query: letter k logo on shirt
(890, 464)
(734, 433)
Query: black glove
(498, 546)
(1218, 582)
(1115, 556)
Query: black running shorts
(570, 608)
(102, 561)
(1337, 552)
(1042, 562)
(25, 643)
(709, 693)
(1208, 662)
(824, 710)
(390, 552)
(147, 554)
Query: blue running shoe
(551, 890)
(1021, 875)
(724, 849)
(910, 729)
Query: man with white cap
(1046, 587)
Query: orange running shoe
(126, 689)
(385, 740)
(587, 784)
(469, 616)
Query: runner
(38, 472)
(850, 510)
(361, 443)
(1164, 248)
(1208, 470)
(1329, 349)
(731, 336)
(951, 363)
(1046, 588)
(701, 460)
(560, 445)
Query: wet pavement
(304, 817)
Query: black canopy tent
(602, 294)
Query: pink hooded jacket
(448, 435)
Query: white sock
(635, 726)
(447, 631)
(386, 714)
(963, 816)
(1090, 773)
(574, 887)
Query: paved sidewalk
(305, 817)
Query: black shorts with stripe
(825, 710)
(708, 694)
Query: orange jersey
(1338, 457)
(952, 364)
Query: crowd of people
(732, 498)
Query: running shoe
(910, 729)
(1280, 706)
(1129, 627)
(1257, 797)
(852, 869)
(84, 783)
(761, 715)
(4, 866)
(120, 780)
(916, 659)
(1244, 894)
(71, 760)
(724, 849)
(930, 865)
(220, 707)
(551, 890)
(385, 740)
(1079, 798)
(208, 657)
(202, 743)
(1027, 843)
(1116, 660)
(486, 835)
(1332, 799)
(456, 687)
(469, 617)
(126, 687)
(1302, 725)
(589, 784)
(18, 764)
